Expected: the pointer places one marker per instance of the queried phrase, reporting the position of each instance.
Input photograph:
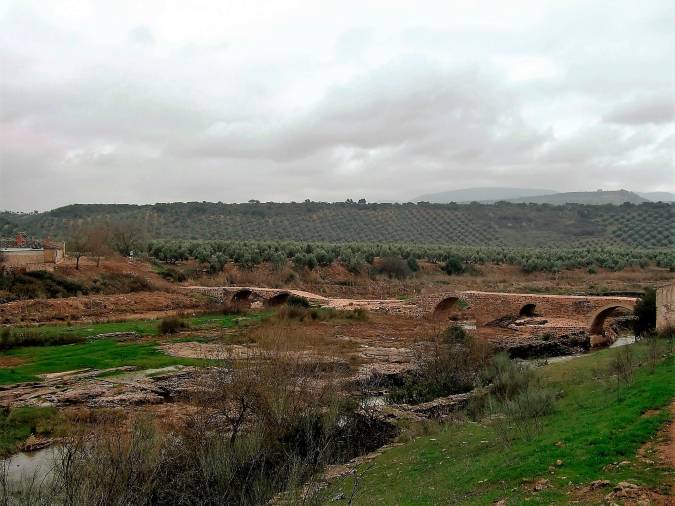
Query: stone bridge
(588, 312)
(250, 295)
(485, 307)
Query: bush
(172, 325)
(172, 274)
(453, 265)
(454, 334)
(14, 338)
(292, 312)
(508, 378)
(412, 264)
(394, 267)
(531, 403)
(301, 313)
(115, 282)
(645, 313)
(295, 300)
(38, 284)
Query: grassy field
(142, 327)
(104, 353)
(592, 427)
(101, 354)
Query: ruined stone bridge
(579, 311)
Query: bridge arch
(445, 308)
(242, 296)
(600, 315)
(278, 299)
(528, 310)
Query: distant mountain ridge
(598, 197)
(481, 194)
(658, 196)
(489, 195)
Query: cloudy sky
(142, 101)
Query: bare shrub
(451, 364)
(302, 313)
(622, 365)
(653, 351)
(172, 325)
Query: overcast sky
(142, 101)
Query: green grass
(142, 327)
(101, 354)
(19, 423)
(106, 353)
(469, 463)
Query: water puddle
(35, 465)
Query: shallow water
(27, 465)
(622, 341)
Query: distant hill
(486, 194)
(598, 197)
(647, 225)
(658, 196)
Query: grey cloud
(641, 110)
(142, 35)
(378, 110)
(412, 104)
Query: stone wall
(665, 306)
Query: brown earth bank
(97, 307)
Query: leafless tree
(98, 239)
(77, 244)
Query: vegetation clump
(14, 338)
(452, 364)
(37, 285)
(645, 313)
(393, 267)
(172, 325)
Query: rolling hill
(648, 225)
(658, 196)
(598, 197)
(486, 194)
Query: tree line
(356, 256)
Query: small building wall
(23, 257)
(665, 306)
(32, 258)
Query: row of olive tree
(355, 256)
